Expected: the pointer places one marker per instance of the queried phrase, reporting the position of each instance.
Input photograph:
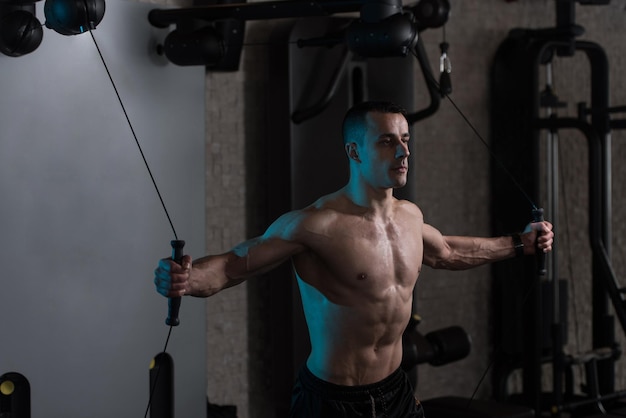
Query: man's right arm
(208, 275)
(251, 258)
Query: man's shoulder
(325, 207)
(409, 208)
(297, 223)
(323, 211)
(325, 215)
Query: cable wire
(430, 79)
(130, 125)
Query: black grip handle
(541, 256)
(173, 304)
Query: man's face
(384, 150)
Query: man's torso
(356, 280)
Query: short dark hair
(354, 121)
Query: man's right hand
(172, 279)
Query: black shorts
(392, 397)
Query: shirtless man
(357, 254)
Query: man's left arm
(460, 253)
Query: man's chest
(384, 254)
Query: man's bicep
(259, 255)
(435, 246)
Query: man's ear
(351, 150)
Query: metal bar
(254, 11)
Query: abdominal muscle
(356, 279)
(355, 343)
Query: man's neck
(378, 201)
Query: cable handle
(541, 256)
(173, 304)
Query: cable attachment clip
(445, 68)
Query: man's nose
(402, 151)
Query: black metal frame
(521, 56)
(227, 13)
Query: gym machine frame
(516, 106)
